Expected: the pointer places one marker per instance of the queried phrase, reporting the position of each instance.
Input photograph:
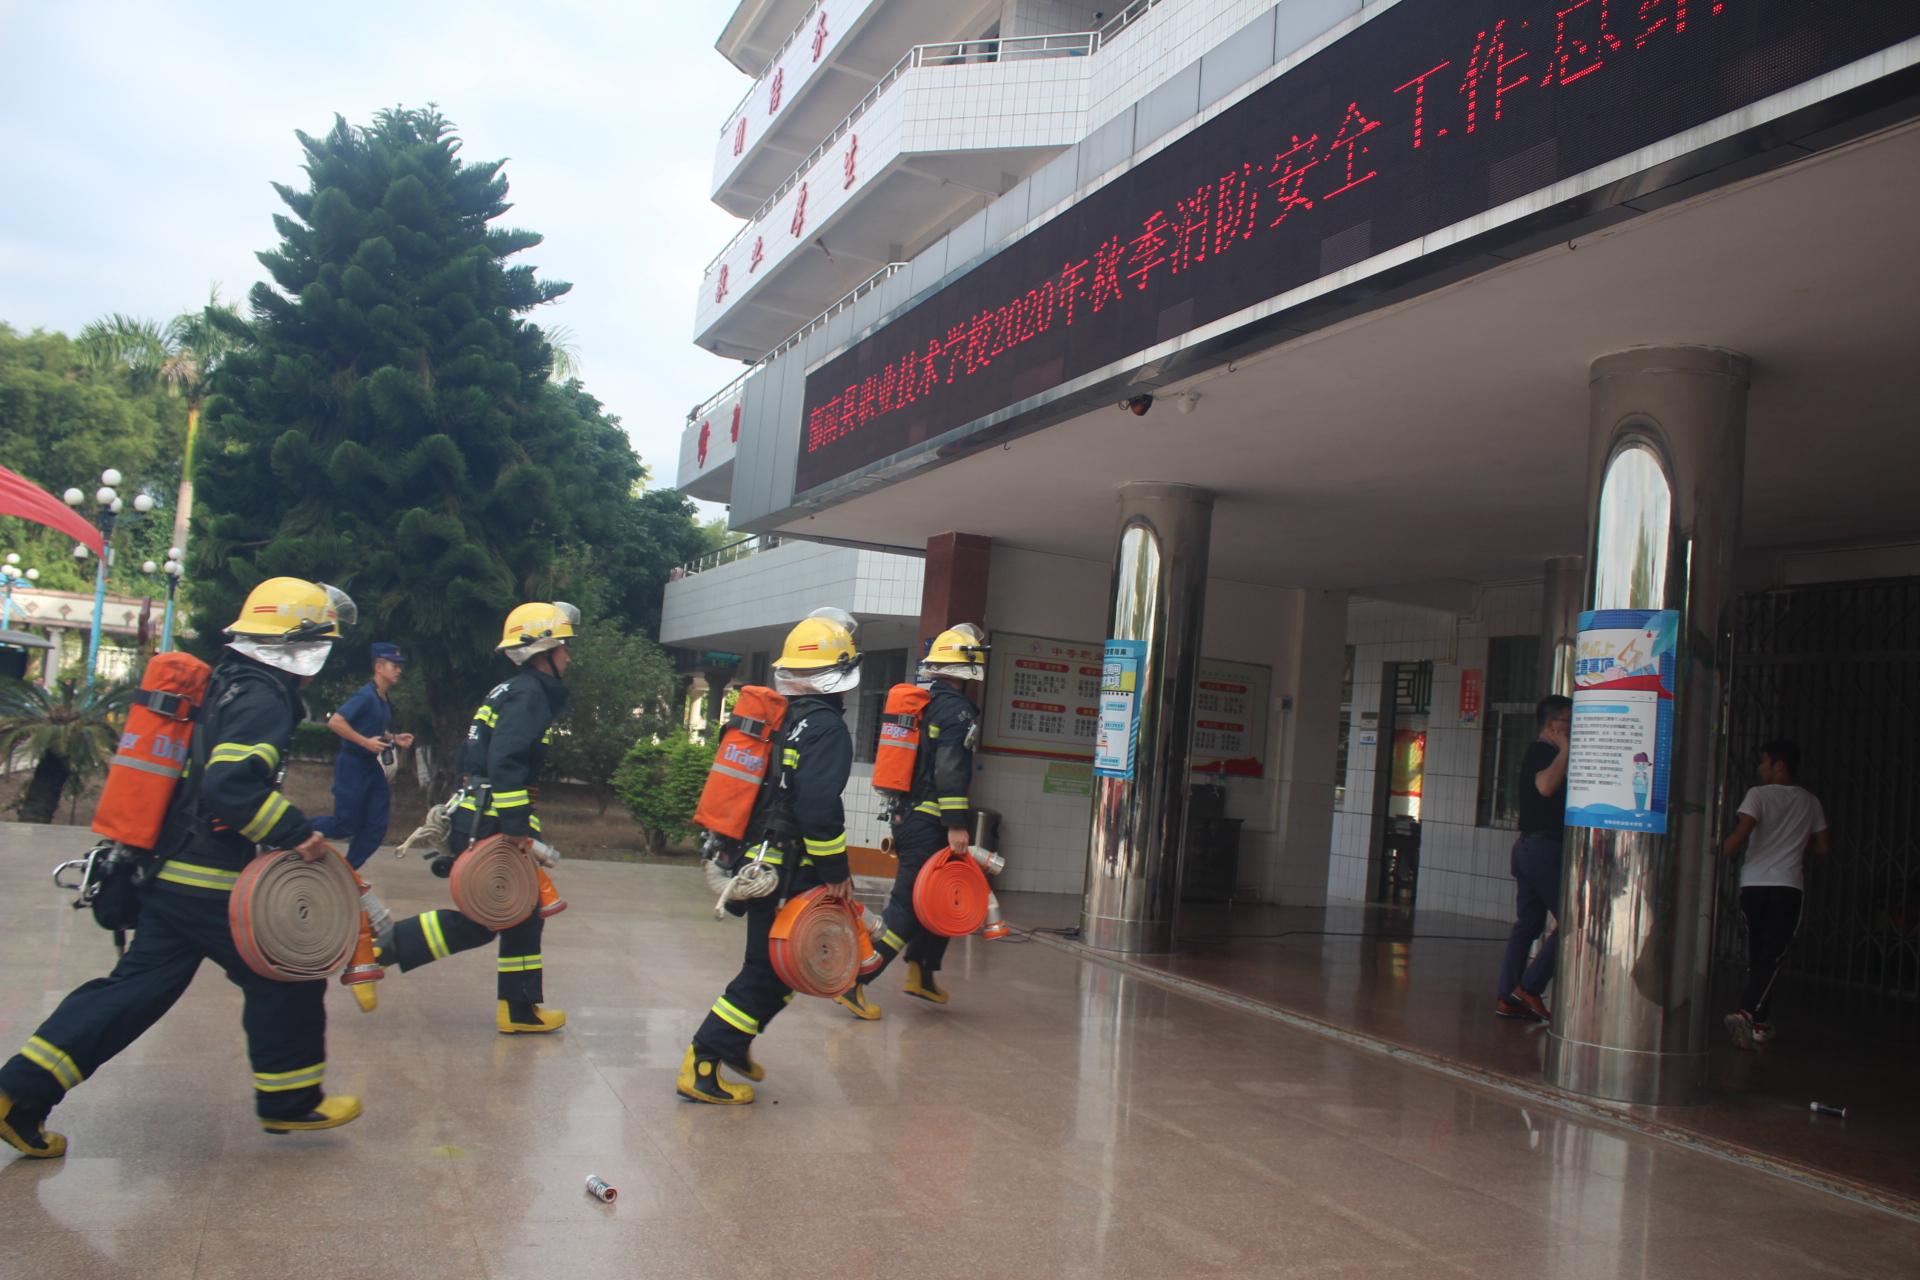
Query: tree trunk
(42, 799)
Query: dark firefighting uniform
(498, 765)
(809, 836)
(212, 832)
(942, 772)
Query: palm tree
(181, 357)
(70, 732)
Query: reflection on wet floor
(1059, 1119)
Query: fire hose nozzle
(990, 862)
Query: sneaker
(1513, 1007)
(1536, 1003)
(1762, 1032)
(1740, 1027)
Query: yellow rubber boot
(857, 1001)
(330, 1114)
(367, 994)
(28, 1136)
(700, 1081)
(543, 1020)
(920, 982)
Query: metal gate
(1836, 669)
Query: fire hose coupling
(990, 862)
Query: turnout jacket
(943, 770)
(816, 758)
(505, 748)
(232, 806)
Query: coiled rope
(756, 879)
(950, 895)
(816, 944)
(495, 884)
(293, 920)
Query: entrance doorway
(1835, 668)
(1399, 776)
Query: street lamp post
(12, 572)
(111, 506)
(173, 568)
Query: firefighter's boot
(857, 1001)
(27, 1134)
(921, 982)
(700, 1081)
(516, 1017)
(330, 1114)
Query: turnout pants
(1536, 873)
(915, 840)
(756, 993)
(1773, 918)
(362, 806)
(435, 935)
(285, 1022)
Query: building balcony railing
(725, 555)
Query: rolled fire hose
(817, 945)
(294, 920)
(950, 895)
(494, 884)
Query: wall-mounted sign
(1230, 704)
(1622, 740)
(1417, 120)
(1473, 692)
(1119, 733)
(1068, 778)
(1042, 697)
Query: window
(1513, 664)
(1346, 731)
(880, 670)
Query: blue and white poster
(1622, 740)
(1113, 746)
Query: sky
(138, 141)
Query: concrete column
(954, 586)
(1560, 600)
(1667, 446)
(1139, 823)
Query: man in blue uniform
(362, 800)
(936, 815)
(498, 766)
(808, 834)
(227, 807)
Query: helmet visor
(570, 612)
(842, 617)
(296, 657)
(835, 679)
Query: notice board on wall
(1043, 700)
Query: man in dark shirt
(1536, 863)
(362, 800)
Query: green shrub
(314, 741)
(659, 781)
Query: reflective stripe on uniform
(199, 877)
(436, 940)
(266, 817)
(518, 964)
(927, 807)
(145, 766)
(791, 755)
(487, 716)
(953, 802)
(281, 1081)
(734, 1018)
(827, 848)
(510, 799)
(235, 752)
(50, 1058)
(894, 940)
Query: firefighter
(807, 829)
(936, 814)
(362, 799)
(227, 808)
(497, 767)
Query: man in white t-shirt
(1780, 821)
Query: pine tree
(391, 428)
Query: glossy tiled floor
(1059, 1119)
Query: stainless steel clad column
(1560, 596)
(1667, 449)
(1139, 823)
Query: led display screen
(1429, 114)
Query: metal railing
(951, 54)
(772, 62)
(739, 550)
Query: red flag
(21, 497)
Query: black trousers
(915, 840)
(1773, 918)
(435, 935)
(756, 994)
(285, 1022)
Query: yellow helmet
(958, 651)
(286, 609)
(816, 643)
(537, 627)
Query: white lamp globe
(116, 506)
(149, 567)
(73, 497)
(13, 557)
(175, 553)
(8, 571)
(105, 495)
(33, 575)
(79, 551)
(109, 476)
(142, 503)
